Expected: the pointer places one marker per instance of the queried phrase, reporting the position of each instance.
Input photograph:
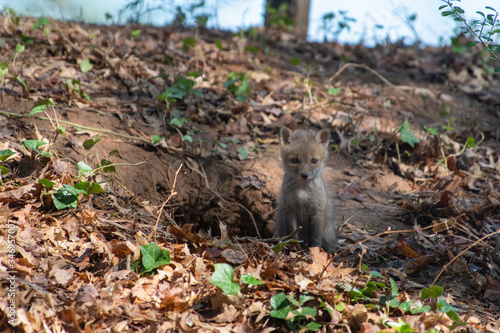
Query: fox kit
(304, 200)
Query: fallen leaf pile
(139, 179)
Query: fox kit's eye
(314, 161)
(294, 160)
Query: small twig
(88, 175)
(345, 66)
(172, 193)
(462, 252)
(274, 239)
(399, 159)
(253, 219)
(387, 232)
(345, 326)
(63, 35)
(119, 226)
(18, 115)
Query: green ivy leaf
(21, 81)
(344, 58)
(249, 279)
(312, 326)
(252, 48)
(188, 43)
(156, 138)
(114, 152)
(470, 142)
(38, 109)
(135, 33)
(220, 144)
(375, 274)
(33, 144)
(85, 65)
(168, 60)
(241, 98)
(445, 306)
(295, 61)
(405, 306)
(406, 135)
(218, 43)
(4, 170)
(223, 277)
(434, 291)
(47, 183)
(307, 311)
(5, 154)
(90, 188)
(40, 23)
(281, 306)
(425, 308)
(283, 245)
(178, 122)
(83, 168)
(95, 188)
(341, 306)
(110, 168)
(184, 84)
(66, 197)
(153, 258)
(400, 326)
(333, 91)
(4, 68)
(394, 288)
(88, 144)
(19, 48)
(432, 130)
(394, 303)
(305, 298)
(194, 74)
(243, 153)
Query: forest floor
(114, 146)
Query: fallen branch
(274, 239)
(465, 250)
(18, 115)
(381, 77)
(172, 193)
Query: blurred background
(362, 21)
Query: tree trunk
(298, 12)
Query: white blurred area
(376, 20)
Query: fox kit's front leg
(286, 220)
(317, 230)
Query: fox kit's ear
(286, 135)
(323, 137)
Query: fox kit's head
(303, 152)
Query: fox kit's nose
(304, 175)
